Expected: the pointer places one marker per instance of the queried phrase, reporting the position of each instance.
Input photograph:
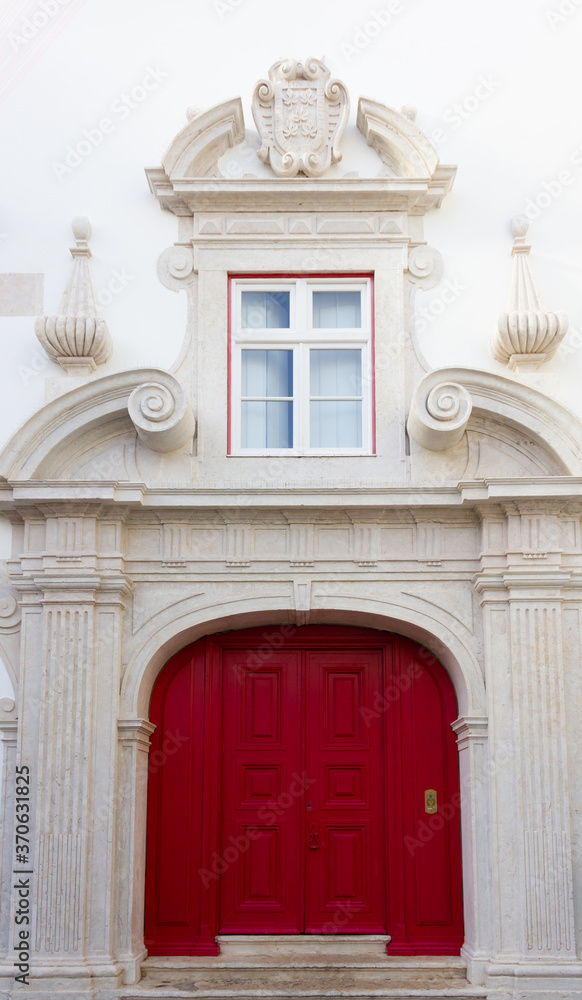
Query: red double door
(303, 780)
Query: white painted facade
(133, 536)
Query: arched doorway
(303, 779)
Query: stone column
(134, 747)
(474, 775)
(72, 594)
(522, 587)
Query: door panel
(260, 890)
(287, 782)
(425, 848)
(345, 878)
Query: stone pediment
(301, 115)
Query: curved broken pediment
(398, 141)
(148, 402)
(449, 401)
(196, 150)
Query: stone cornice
(534, 584)
(551, 495)
(188, 195)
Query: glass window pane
(336, 372)
(265, 310)
(267, 424)
(335, 424)
(267, 373)
(337, 309)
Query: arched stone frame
(432, 628)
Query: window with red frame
(301, 366)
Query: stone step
(275, 946)
(242, 992)
(247, 982)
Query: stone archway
(471, 729)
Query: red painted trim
(300, 274)
(229, 369)
(236, 276)
(373, 361)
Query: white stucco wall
(496, 88)
(73, 71)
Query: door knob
(313, 841)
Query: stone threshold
(290, 967)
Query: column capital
(136, 731)
(469, 729)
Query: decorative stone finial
(300, 114)
(77, 338)
(526, 335)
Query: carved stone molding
(526, 335)
(77, 339)
(300, 114)
(439, 413)
(162, 415)
(403, 149)
(468, 729)
(59, 424)
(176, 267)
(9, 610)
(195, 152)
(425, 267)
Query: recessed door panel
(260, 817)
(345, 875)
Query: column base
(547, 979)
(477, 962)
(93, 981)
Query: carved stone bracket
(175, 267)
(526, 335)
(77, 338)
(9, 610)
(162, 415)
(300, 114)
(425, 267)
(439, 413)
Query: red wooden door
(345, 886)
(289, 776)
(261, 818)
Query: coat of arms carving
(300, 114)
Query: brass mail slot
(430, 801)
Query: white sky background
(73, 68)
